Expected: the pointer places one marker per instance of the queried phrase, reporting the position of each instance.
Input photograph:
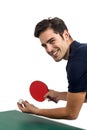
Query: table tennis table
(16, 120)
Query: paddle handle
(52, 99)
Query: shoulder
(78, 50)
(77, 56)
(77, 67)
(77, 62)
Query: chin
(57, 60)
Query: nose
(49, 48)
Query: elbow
(72, 116)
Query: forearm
(57, 113)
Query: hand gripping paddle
(38, 89)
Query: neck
(68, 50)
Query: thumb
(46, 95)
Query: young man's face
(56, 46)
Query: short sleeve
(77, 75)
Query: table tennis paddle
(38, 89)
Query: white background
(23, 60)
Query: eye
(51, 41)
(43, 45)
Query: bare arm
(71, 111)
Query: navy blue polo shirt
(77, 68)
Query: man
(56, 40)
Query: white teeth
(54, 53)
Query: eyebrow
(49, 40)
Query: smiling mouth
(55, 53)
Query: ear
(66, 35)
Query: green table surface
(16, 120)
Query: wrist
(37, 111)
(63, 95)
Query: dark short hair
(55, 23)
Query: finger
(20, 106)
(25, 103)
(46, 95)
(52, 99)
